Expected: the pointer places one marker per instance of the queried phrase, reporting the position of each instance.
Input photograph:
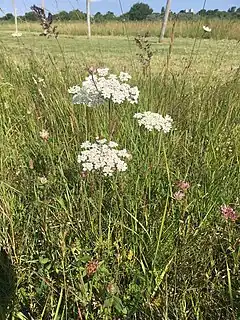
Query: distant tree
(63, 15)
(76, 15)
(9, 16)
(162, 10)
(109, 16)
(98, 17)
(124, 17)
(139, 11)
(154, 16)
(202, 12)
(30, 16)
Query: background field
(221, 29)
(158, 258)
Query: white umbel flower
(74, 89)
(101, 86)
(103, 156)
(124, 76)
(151, 121)
(103, 72)
(16, 34)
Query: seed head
(92, 267)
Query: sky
(113, 5)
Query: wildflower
(103, 156)
(101, 86)
(151, 120)
(124, 76)
(92, 267)
(44, 134)
(17, 34)
(103, 72)
(178, 195)
(229, 213)
(183, 185)
(43, 180)
(74, 89)
(207, 29)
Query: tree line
(138, 12)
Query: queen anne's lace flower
(151, 120)
(101, 86)
(103, 156)
(103, 72)
(124, 76)
(74, 89)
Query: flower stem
(109, 119)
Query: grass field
(140, 244)
(221, 29)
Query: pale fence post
(88, 18)
(165, 20)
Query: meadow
(221, 29)
(157, 241)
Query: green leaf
(43, 260)
(108, 303)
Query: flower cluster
(100, 86)
(103, 156)
(183, 186)
(229, 213)
(44, 134)
(151, 120)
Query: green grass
(218, 56)
(158, 258)
(221, 28)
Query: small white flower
(86, 145)
(88, 166)
(207, 29)
(101, 141)
(17, 34)
(151, 121)
(103, 72)
(74, 89)
(44, 134)
(103, 156)
(43, 180)
(102, 86)
(113, 144)
(124, 76)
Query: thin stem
(109, 119)
(87, 121)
